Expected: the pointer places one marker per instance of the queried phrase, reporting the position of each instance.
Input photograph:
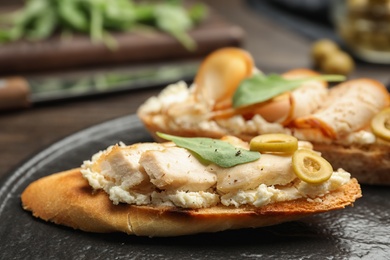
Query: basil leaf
(260, 88)
(213, 150)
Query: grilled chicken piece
(349, 107)
(120, 165)
(176, 169)
(269, 170)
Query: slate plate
(359, 232)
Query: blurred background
(83, 64)
(74, 72)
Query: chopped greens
(213, 150)
(39, 19)
(260, 88)
(175, 20)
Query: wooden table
(275, 49)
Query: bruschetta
(349, 123)
(172, 189)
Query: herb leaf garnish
(214, 150)
(260, 88)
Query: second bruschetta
(348, 123)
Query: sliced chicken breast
(270, 169)
(176, 169)
(349, 107)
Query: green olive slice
(274, 143)
(380, 124)
(310, 167)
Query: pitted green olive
(380, 124)
(276, 143)
(310, 167)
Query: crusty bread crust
(66, 198)
(370, 164)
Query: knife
(20, 92)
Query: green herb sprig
(260, 88)
(214, 150)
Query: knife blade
(19, 92)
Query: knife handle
(14, 93)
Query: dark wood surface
(275, 49)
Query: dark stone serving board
(362, 231)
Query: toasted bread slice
(66, 198)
